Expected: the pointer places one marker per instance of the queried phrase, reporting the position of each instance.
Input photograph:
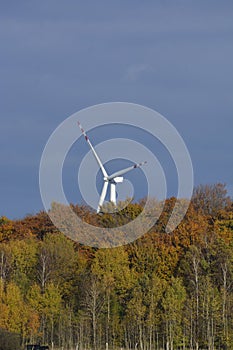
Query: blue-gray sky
(58, 57)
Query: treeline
(163, 291)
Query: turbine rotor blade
(124, 171)
(93, 151)
(103, 195)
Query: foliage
(162, 291)
(9, 341)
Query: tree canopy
(163, 291)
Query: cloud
(135, 71)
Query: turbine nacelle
(118, 179)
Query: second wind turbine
(112, 179)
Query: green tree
(111, 267)
(23, 262)
(173, 304)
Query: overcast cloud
(58, 57)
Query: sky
(58, 57)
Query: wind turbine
(112, 179)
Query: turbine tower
(112, 179)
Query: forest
(163, 291)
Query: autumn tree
(209, 199)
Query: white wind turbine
(108, 179)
